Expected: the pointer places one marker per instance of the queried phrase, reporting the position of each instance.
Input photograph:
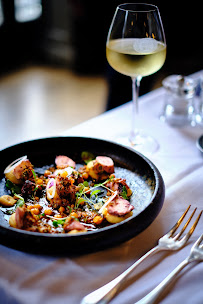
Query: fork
(168, 242)
(196, 254)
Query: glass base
(142, 143)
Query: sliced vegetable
(14, 164)
(51, 188)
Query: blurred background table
(53, 68)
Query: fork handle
(105, 293)
(156, 292)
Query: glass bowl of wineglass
(136, 47)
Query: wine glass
(136, 47)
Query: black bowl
(199, 143)
(141, 173)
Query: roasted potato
(7, 201)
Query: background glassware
(179, 107)
(199, 102)
(136, 47)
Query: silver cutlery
(169, 241)
(196, 254)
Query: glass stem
(135, 109)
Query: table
(28, 278)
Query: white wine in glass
(136, 47)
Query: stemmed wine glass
(136, 47)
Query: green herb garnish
(85, 183)
(95, 192)
(87, 156)
(34, 175)
(56, 223)
(12, 187)
(124, 193)
(94, 196)
(20, 202)
(70, 209)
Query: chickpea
(48, 211)
(72, 180)
(38, 206)
(47, 173)
(30, 207)
(80, 201)
(85, 175)
(87, 190)
(61, 209)
(39, 181)
(64, 174)
(74, 214)
(35, 211)
(129, 192)
(97, 220)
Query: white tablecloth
(33, 279)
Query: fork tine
(175, 227)
(198, 242)
(185, 226)
(190, 232)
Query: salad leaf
(87, 156)
(12, 187)
(20, 202)
(85, 183)
(124, 193)
(58, 222)
(95, 192)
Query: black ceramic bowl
(143, 177)
(199, 143)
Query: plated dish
(88, 204)
(65, 197)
